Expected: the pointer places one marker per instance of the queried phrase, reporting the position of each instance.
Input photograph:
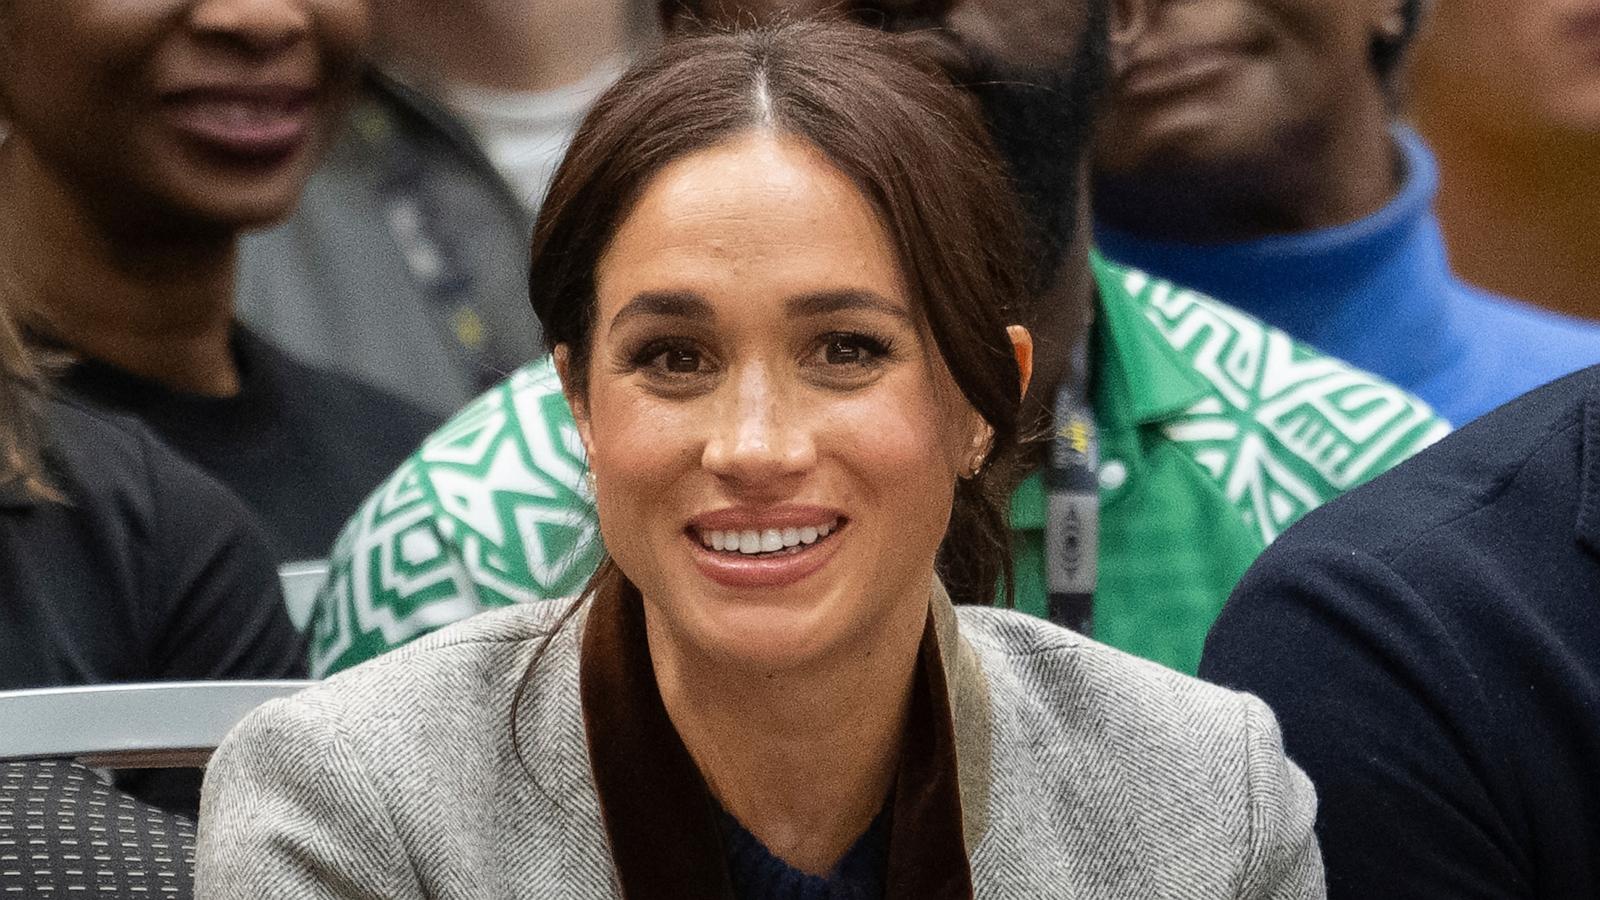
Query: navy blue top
(1430, 643)
(759, 875)
(1379, 294)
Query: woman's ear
(1129, 18)
(1022, 347)
(575, 398)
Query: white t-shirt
(525, 133)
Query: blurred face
(1537, 59)
(1221, 83)
(1036, 68)
(775, 441)
(210, 110)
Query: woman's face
(1217, 83)
(1532, 61)
(774, 439)
(209, 110)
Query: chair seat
(65, 832)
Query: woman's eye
(679, 361)
(852, 349)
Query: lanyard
(1072, 491)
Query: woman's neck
(154, 301)
(803, 759)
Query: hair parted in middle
(912, 143)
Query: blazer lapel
(657, 810)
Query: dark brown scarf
(660, 816)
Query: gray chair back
(158, 725)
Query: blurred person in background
(1168, 468)
(144, 139)
(1251, 152)
(121, 562)
(1508, 96)
(406, 263)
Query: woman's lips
(771, 569)
(247, 125)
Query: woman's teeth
(771, 540)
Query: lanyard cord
(1072, 489)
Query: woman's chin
(748, 633)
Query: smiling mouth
(767, 542)
(260, 125)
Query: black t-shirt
(145, 570)
(302, 447)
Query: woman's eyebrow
(674, 304)
(824, 302)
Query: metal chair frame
(158, 725)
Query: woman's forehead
(762, 214)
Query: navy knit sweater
(759, 875)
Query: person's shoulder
(99, 445)
(464, 671)
(517, 436)
(1074, 679)
(1240, 356)
(527, 404)
(1470, 470)
(1193, 774)
(518, 524)
(1307, 425)
(111, 458)
(1536, 344)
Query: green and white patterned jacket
(1217, 432)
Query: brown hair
(913, 144)
(21, 386)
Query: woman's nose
(757, 436)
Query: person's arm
(1383, 711)
(288, 811)
(1283, 861)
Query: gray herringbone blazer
(1084, 773)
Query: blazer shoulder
(474, 664)
(1063, 669)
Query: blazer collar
(659, 814)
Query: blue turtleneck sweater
(1379, 294)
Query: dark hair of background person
(912, 143)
